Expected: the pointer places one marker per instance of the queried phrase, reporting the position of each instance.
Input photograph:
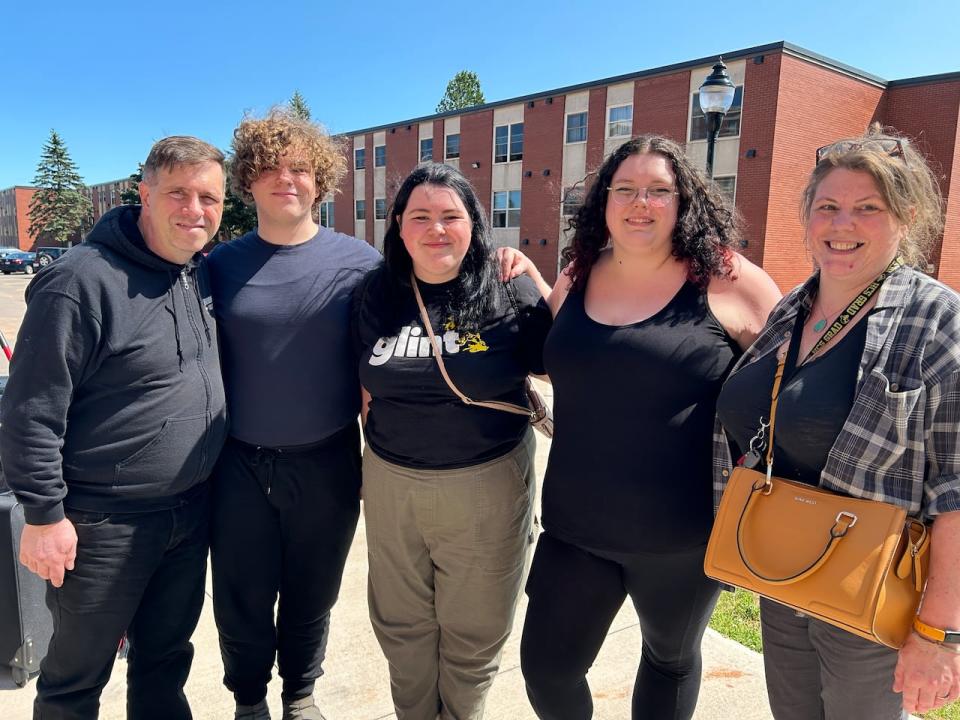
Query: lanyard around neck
(847, 315)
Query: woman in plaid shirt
(873, 412)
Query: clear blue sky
(112, 78)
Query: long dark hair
(706, 227)
(473, 293)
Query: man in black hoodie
(112, 420)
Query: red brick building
(14, 223)
(527, 155)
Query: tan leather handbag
(857, 564)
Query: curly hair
(259, 145)
(477, 281)
(706, 226)
(903, 178)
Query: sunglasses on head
(891, 146)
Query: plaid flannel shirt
(901, 441)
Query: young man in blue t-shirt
(286, 487)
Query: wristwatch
(936, 635)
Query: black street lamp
(716, 97)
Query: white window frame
(737, 113)
(430, 156)
(379, 158)
(512, 132)
(359, 209)
(509, 212)
(732, 196)
(327, 213)
(379, 208)
(583, 128)
(358, 163)
(619, 123)
(446, 146)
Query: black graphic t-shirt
(415, 420)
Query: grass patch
(737, 616)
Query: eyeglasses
(891, 146)
(653, 196)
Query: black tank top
(630, 464)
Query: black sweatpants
(575, 595)
(142, 574)
(282, 525)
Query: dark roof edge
(783, 46)
(18, 187)
(925, 79)
(831, 64)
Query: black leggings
(574, 596)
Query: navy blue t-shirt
(284, 318)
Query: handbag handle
(492, 404)
(844, 521)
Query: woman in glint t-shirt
(448, 488)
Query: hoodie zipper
(185, 280)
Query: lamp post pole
(716, 97)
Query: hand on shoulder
(742, 300)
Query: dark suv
(46, 255)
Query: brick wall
(814, 106)
(660, 105)
(368, 187)
(343, 201)
(476, 145)
(935, 130)
(540, 194)
(596, 129)
(23, 197)
(403, 154)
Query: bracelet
(948, 647)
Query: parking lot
(11, 310)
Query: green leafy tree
(298, 106)
(131, 196)
(60, 206)
(462, 92)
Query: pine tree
(298, 106)
(462, 92)
(131, 196)
(59, 207)
(238, 217)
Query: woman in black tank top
(646, 329)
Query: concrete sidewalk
(356, 685)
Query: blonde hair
(260, 144)
(903, 178)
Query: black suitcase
(25, 622)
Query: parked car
(46, 255)
(25, 262)
(4, 251)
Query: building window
(620, 121)
(361, 209)
(572, 200)
(380, 209)
(730, 127)
(380, 156)
(426, 149)
(453, 146)
(727, 186)
(577, 127)
(508, 143)
(506, 209)
(359, 158)
(326, 214)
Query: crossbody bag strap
(492, 404)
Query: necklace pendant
(819, 325)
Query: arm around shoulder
(742, 300)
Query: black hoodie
(115, 401)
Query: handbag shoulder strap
(492, 404)
(783, 359)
